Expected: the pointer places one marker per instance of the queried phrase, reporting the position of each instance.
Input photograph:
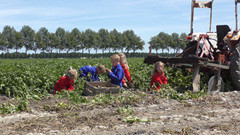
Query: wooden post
(192, 14)
(218, 78)
(196, 78)
(210, 26)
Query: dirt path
(218, 113)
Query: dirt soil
(216, 113)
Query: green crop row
(34, 78)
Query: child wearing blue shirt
(116, 74)
(93, 70)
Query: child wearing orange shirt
(124, 65)
(66, 81)
(158, 77)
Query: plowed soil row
(216, 113)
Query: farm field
(28, 107)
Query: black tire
(235, 66)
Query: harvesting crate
(93, 88)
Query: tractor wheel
(189, 51)
(235, 66)
(212, 84)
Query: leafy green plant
(126, 115)
(10, 108)
(23, 105)
(120, 98)
(168, 92)
(73, 96)
(125, 110)
(61, 104)
(102, 99)
(131, 119)
(133, 97)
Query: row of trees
(62, 40)
(165, 41)
(74, 55)
(89, 40)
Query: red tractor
(212, 50)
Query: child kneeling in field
(116, 74)
(158, 77)
(66, 81)
(93, 70)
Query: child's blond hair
(123, 56)
(71, 73)
(155, 67)
(115, 57)
(102, 68)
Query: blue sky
(146, 18)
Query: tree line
(165, 41)
(76, 40)
(75, 55)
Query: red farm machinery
(215, 51)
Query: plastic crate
(93, 88)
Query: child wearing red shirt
(124, 65)
(66, 81)
(158, 77)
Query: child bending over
(158, 77)
(93, 70)
(66, 81)
(116, 74)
